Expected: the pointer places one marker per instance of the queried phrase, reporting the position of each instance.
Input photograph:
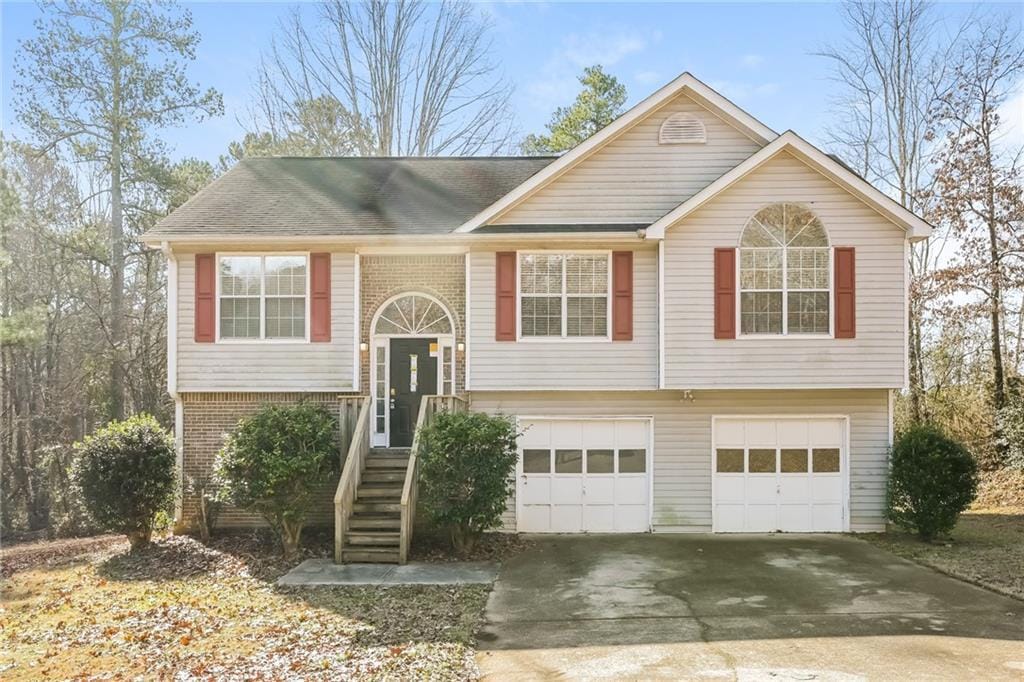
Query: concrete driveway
(783, 607)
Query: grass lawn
(986, 548)
(87, 608)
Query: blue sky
(760, 55)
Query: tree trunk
(463, 540)
(116, 322)
(291, 532)
(139, 538)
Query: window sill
(763, 337)
(564, 339)
(262, 342)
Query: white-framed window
(564, 295)
(785, 282)
(262, 297)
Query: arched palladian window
(413, 314)
(785, 274)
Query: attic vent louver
(682, 128)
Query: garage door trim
(621, 417)
(844, 459)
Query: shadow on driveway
(741, 607)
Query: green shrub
(275, 462)
(933, 479)
(125, 471)
(1010, 422)
(466, 473)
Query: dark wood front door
(413, 375)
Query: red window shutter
(725, 293)
(206, 295)
(319, 297)
(846, 293)
(505, 289)
(622, 296)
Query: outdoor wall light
(460, 347)
(364, 347)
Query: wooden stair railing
(356, 433)
(430, 405)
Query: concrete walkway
(740, 608)
(326, 572)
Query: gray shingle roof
(347, 196)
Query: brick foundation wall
(442, 276)
(208, 417)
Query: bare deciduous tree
(892, 68)
(980, 186)
(375, 78)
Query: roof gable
(694, 88)
(916, 227)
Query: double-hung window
(563, 295)
(785, 272)
(262, 297)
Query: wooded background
(82, 303)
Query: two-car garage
(767, 474)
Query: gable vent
(682, 128)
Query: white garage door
(587, 475)
(779, 475)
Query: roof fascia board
(448, 240)
(751, 126)
(916, 227)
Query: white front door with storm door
(584, 475)
(780, 474)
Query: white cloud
(647, 77)
(597, 48)
(1011, 115)
(577, 51)
(751, 61)
(739, 91)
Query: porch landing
(326, 572)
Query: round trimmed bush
(933, 479)
(125, 471)
(466, 469)
(276, 461)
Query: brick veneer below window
(208, 417)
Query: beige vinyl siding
(633, 179)
(682, 440)
(695, 359)
(268, 366)
(563, 363)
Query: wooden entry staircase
(375, 503)
(375, 524)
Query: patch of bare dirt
(435, 547)
(49, 553)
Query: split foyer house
(699, 323)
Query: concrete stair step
(375, 538)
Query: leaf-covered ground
(986, 548)
(185, 611)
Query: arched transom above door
(413, 314)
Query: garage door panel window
(568, 461)
(761, 461)
(826, 460)
(600, 461)
(536, 461)
(632, 461)
(729, 461)
(793, 461)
